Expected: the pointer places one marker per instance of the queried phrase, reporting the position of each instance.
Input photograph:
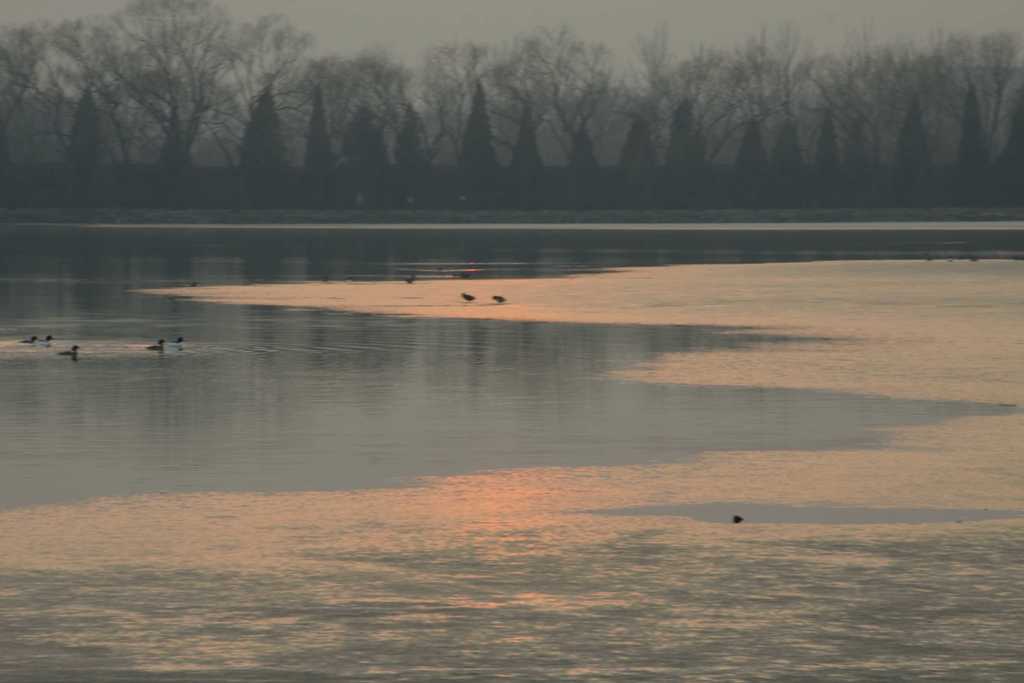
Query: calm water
(315, 495)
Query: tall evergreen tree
(685, 176)
(478, 162)
(584, 172)
(913, 160)
(858, 176)
(826, 163)
(319, 160)
(637, 165)
(7, 191)
(366, 157)
(175, 165)
(411, 160)
(263, 155)
(971, 179)
(84, 151)
(527, 166)
(787, 169)
(1010, 165)
(751, 168)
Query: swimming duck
(32, 340)
(159, 346)
(468, 298)
(45, 343)
(72, 352)
(179, 344)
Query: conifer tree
(84, 151)
(7, 192)
(826, 162)
(1010, 165)
(751, 167)
(857, 167)
(175, 162)
(637, 165)
(319, 160)
(366, 157)
(787, 169)
(478, 161)
(411, 160)
(685, 171)
(263, 154)
(527, 166)
(971, 178)
(584, 171)
(913, 161)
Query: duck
(159, 346)
(71, 353)
(179, 344)
(498, 299)
(737, 519)
(45, 343)
(468, 298)
(31, 340)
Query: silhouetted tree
(637, 165)
(366, 157)
(857, 166)
(826, 163)
(913, 160)
(7, 192)
(584, 172)
(319, 160)
(263, 155)
(84, 151)
(685, 176)
(751, 167)
(971, 179)
(527, 167)
(175, 165)
(412, 164)
(1010, 165)
(478, 162)
(787, 169)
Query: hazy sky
(408, 26)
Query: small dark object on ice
(411, 279)
(736, 519)
(468, 297)
(499, 299)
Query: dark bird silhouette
(468, 298)
(411, 279)
(499, 299)
(736, 519)
(72, 353)
(179, 344)
(159, 346)
(31, 340)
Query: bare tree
(446, 81)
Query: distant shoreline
(439, 217)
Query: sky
(410, 26)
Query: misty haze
(542, 341)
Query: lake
(347, 477)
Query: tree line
(174, 103)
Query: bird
(411, 279)
(45, 343)
(32, 340)
(468, 298)
(179, 344)
(736, 519)
(499, 299)
(72, 352)
(159, 346)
